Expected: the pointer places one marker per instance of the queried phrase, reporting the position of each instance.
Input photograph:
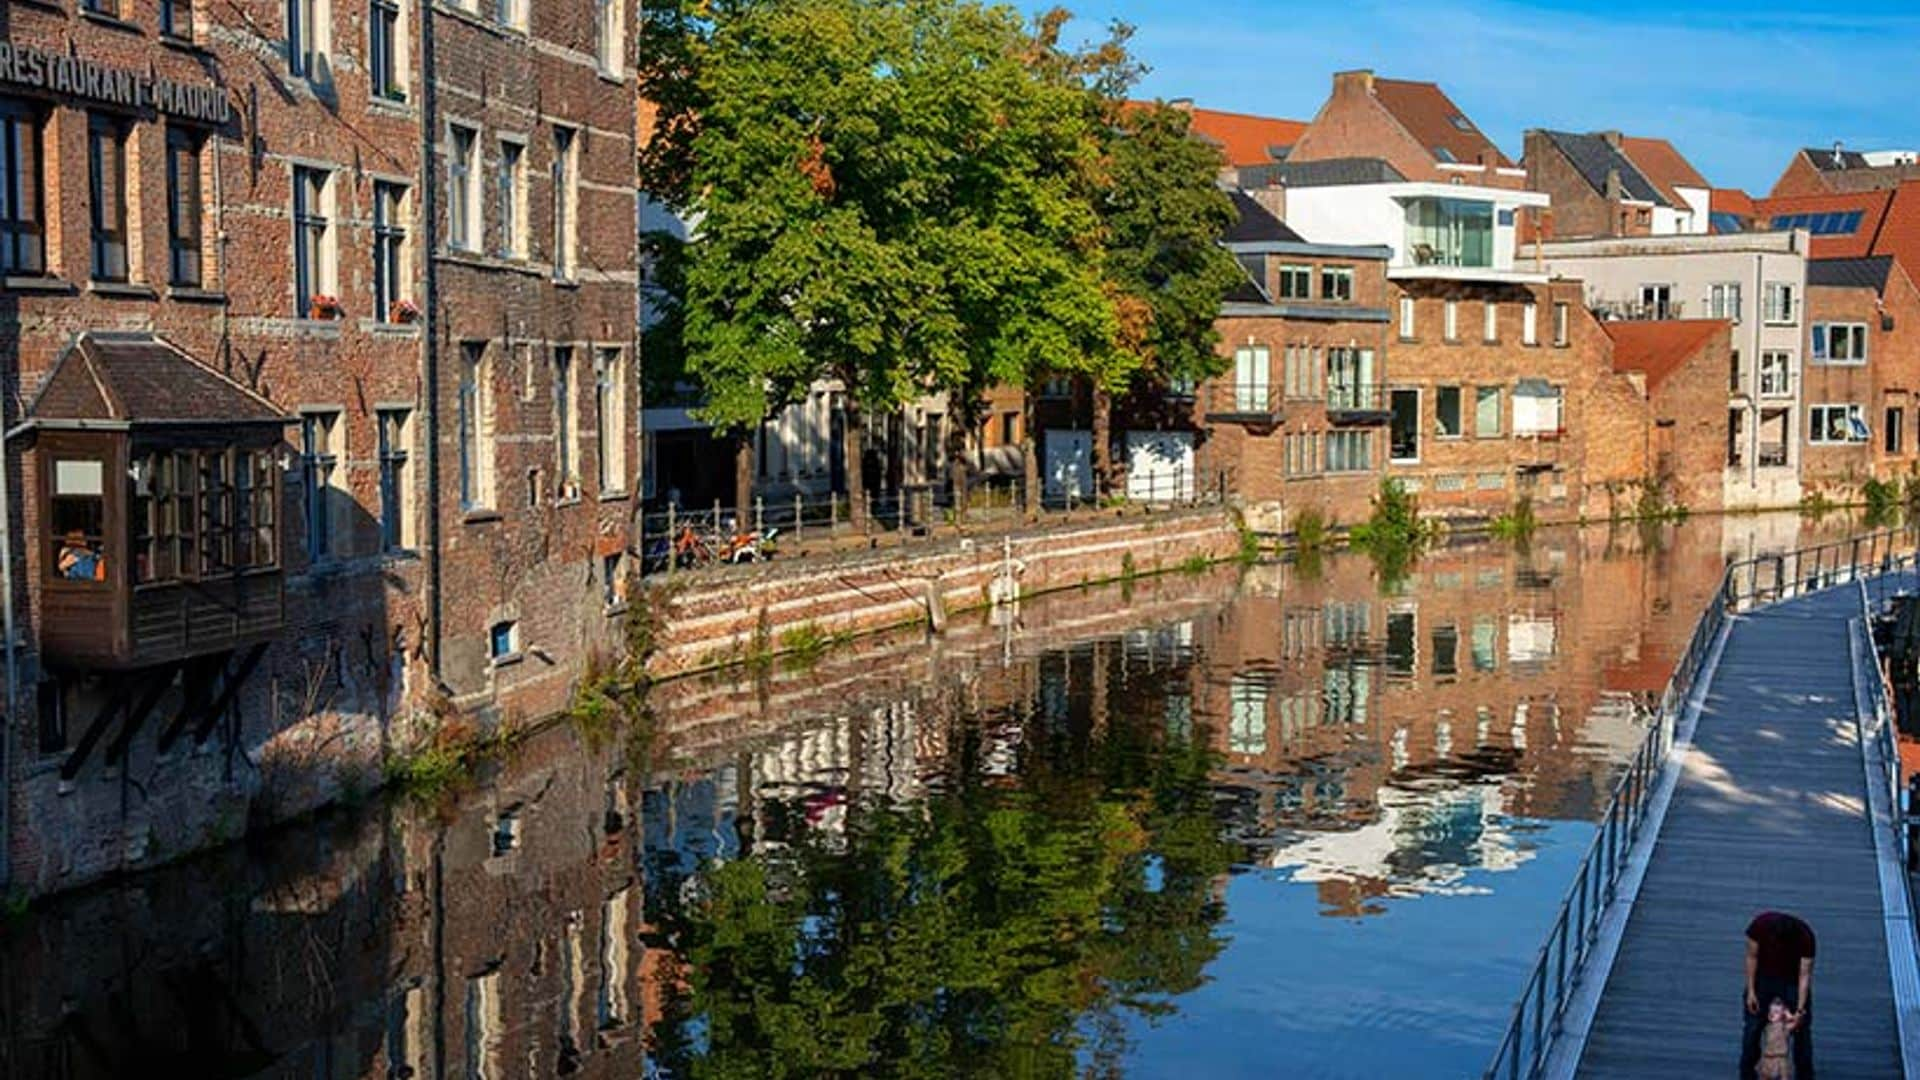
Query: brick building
(1600, 188)
(1298, 421)
(417, 503)
(1679, 368)
(1815, 171)
(1862, 372)
(1414, 126)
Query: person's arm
(1806, 988)
(1753, 965)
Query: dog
(1776, 1044)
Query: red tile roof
(1658, 349)
(1429, 115)
(1245, 139)
(1659, 162)
(1872, 206)
(1730, 201)
(1900, 229)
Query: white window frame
(565, 173)
(1490, 330)
(1450, 325)
(1408, 310)
(1459, 412)
(1724, 300)
(465, 222)
(1826, 338)
(1854, 414)
(1530, 323)
(1562, 324)
(1336, 283)
(1252, 378)
(609, 36)
(1301, 272)
(1779, 306)
(1776, 363)
(513, 211)
(1419, 405)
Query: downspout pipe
(7, 626)
(430, 329)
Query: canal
(1280, 820)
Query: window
(176, 19)
(1536, 409)
(319, 462)
(1349, 451)
(1450, 326)
(566, 200)
(1723, 300)
(510, 183)
(389, 248)
(1656, 301)
(565, 431)
(1779, 302)
(1404, 427)
(1446, 409)
(463, 196)
(23, 247)
(1530, 323)
(609, 412)
(1449, 232)
(609, 30)
(503, 640)
(79, 525)
(102, 7)
(1829, 425)
(1336, 283)
(1490, 332)
(1486, 411)
(1560, 327)
(384, 51)
(1406, 317)
(226, 498)
(484, 1027)
(1247, 726)
(1776, 373)
(1252, 368)
(1402, 650)
(1733, 371)
(1446, 650)
(1350, 379)
(396, 480)
(510, 13)
(1296, 283)
(183, 206)
(312, 240)
(1840, 343)
(1895, 428)
(475, 427)
(306, 36)
(107, 175)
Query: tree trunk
(743, 479)
(1030, 454)
(856, 480)
(1102, 441)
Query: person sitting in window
(79, 560)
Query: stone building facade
(207, 201)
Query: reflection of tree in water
(988, 931)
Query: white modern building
(1436, 231)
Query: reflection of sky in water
(1422, 988)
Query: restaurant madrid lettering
(59, 73)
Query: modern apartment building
(1757, 281)
(312, 322)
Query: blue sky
(1736, 86)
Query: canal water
(1288, 820)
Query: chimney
(1184, 104)
(1838, 161)
(1353, 82)
(1611, 138)
(1615, 189)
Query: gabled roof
(1326, 172)
(1659, 162)
(1900, 229)
(1255, 224)
(1730, 201)
(1843, 225)
(1850, 171)
(1432, 118)
(1595, 159)
(1835, 159)
(143, 379)
(1868, 272)
(1245, 139)
(1657, 349)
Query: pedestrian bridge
(1769, 779)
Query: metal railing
(1745, 585)
(1885, 726)
(1228, 400)
(1345, 397)
(678, 538)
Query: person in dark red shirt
(1779, 967)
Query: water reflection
(1280, 820)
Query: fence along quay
(1768, 777)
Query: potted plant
(324, 306)
(404, 311)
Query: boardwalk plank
(1769, 812)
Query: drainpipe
(430, 329)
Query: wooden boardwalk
(1769, 811)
